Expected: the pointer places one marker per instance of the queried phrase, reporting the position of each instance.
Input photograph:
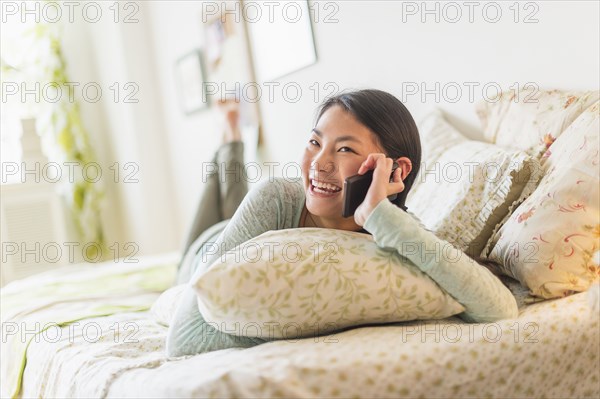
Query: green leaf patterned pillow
(309, 281)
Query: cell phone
(356, 188)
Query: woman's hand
(381, 187)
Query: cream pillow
(531, 119)
(309, 281)
(164, 307)
(465, 187)
(549, 240)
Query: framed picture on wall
(282, 45)
(216, 31)
(190, 81)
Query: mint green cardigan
(278, 204)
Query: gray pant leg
(223, 192)
(234, 186)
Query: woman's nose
(322, 164)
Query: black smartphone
(356, 188)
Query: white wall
(192, 139)
(369, 46)
(140, 214)
(372, 47)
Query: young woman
(355, 132)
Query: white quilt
(551, 350)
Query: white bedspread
(551, 350)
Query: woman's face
(336, 148)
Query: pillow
(165, 305)
(465, 187)
(310, 281)
(530, 119)
(549, 240)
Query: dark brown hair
(390, 121)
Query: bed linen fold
(43, 307)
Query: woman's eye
(346, 149)
(313, 142)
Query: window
(15, 44)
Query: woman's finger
(395, 188)
(370, 162)
(396, 184)
(383, 169)
(366, 165)
(397, 175)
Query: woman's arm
(482, 294)
(266, 207)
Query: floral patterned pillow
(549, 240)
(308, 281)
(531, 119)
(465, 187)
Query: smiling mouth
(324, 188)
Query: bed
(98, 335)
(550, 350)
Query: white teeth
(326, 186)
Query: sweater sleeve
(482, 294)
(266, 207)
(261, 210)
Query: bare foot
(230, 116)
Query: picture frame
(216, 31)
(190, 79)
(281, 47)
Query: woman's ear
(405, 165)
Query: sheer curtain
(34, 65)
